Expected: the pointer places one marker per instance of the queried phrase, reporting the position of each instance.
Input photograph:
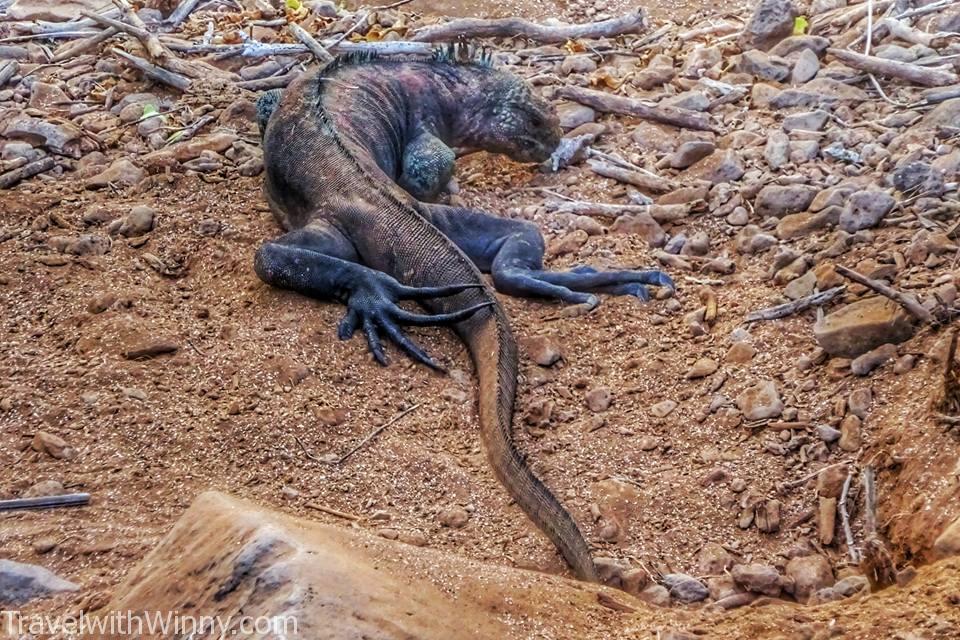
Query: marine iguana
(353, 154)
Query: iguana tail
(494, 352)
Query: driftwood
(512, 27)
(906, 301)
(11, 178)
(642, 180)
(319, 52)
(627, 106)
(273, 82)
(8, 69)
(913, 73)
(662, 213)
(153, 71)
(180, 13)
(80, 46)
(796, 306)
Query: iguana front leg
(512, 251)
(427, 167)
(321, 262)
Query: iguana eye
(536, 120)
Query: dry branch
(662, 213)
(627, 106)
(180, 13)
(11, 178)
(319, 52)
(907, 301)
(153, 71)
(796, 306)
(642, 180)
(511, 27)
(913, 73)
(8, 69)
(80, 46)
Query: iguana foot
(371, 306)
(618, 282)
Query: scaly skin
(337, 144)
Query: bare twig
(662, 213)
(333, 512)
(180, 13)
(795, 306)
(76, 48)
(628, 106)
(643, 180)
(845, 519)
(907, 301)
(373, 434)
(511, 27)
(319, 52)
(157, 73)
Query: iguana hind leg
(512, 251)
(320, 262)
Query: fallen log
(609, 103)
(11, 178)
(511, 27)
(912, 73)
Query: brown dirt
(222, 412)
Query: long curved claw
(423, 320)
(410, 347)
(422, 293)
(349, 325)
(373, 341)
(657, 278)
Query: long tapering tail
(494, 352)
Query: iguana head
(502, 114)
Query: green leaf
(800, 25)
(149, 111)
(294, 5)
(175, 136)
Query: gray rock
(763, 66)
(771, 22)
(806, 67)
(689, 153)
(138, 222)
(865, 209)
(777, 201)
(789, 46)
(578, 64)
(827, 433)
(20, 583)
(802, 151)
(685, 588)
(806, 121)
(863, 365)
(919, 176)
(777, 150)
(572, 115)
(789, 98)
(691, 100)
(64, 138)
